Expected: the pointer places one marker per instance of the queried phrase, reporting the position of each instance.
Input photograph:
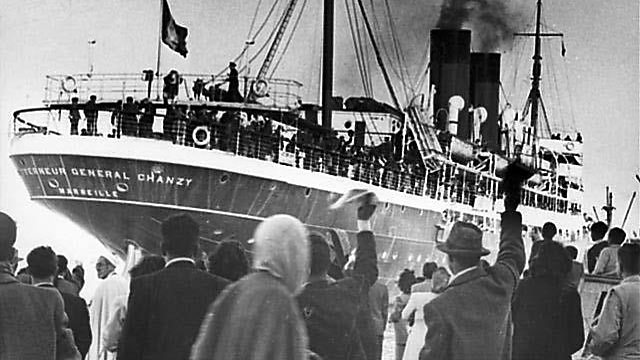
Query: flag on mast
(173, 35)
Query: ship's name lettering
(100, 173)
(164, 179)
(43, 171)
(88, 192)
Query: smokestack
(450, 58)
(485, 92)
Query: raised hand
(512, 184)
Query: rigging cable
(255, 36)
(385, 49)
(362, 59)
(291, 34)
(398, 48)
(253, 21)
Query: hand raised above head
(368, 205)
(512, 184)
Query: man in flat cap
(472, 318)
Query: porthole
(224, 178)
(307, 192)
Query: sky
(594, 89)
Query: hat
(232, 64)
(464, 239)
(359, 196)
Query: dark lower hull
(118, 199)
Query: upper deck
(279, 94)
(270, 128)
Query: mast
(327, 64)
(534, 94)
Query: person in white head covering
(258, 317)
(102, 305)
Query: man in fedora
(472, 318)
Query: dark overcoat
(471, 320)
(165, 310)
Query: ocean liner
(232, 150)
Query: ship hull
(117, 193)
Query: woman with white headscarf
(258, 317)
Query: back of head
(180, 235)
(63, 264)
(549, 230)
(440, 280)
(551, 260)
(282, 249)
(320, 255)
(598, 230)
(629, 259)
(229, 261)
(7, 237)
(42, 262)
(616, 236)
(406, 279)
(148, 265)
(572, 251)
(428, 269)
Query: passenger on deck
(198, 86)
(607, 264)
(91, 114)
(116, 119)
(171, 87)
(233, 91)
(147, 119)
(617, 332)
(74, 116)
(130, 118)
(598, 231)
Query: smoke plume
(493, 22)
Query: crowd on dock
(305, 296)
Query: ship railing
(451, 182)
(61, 89)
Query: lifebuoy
(207, 135)
(69, 84)
(261, 88)
(569, 146)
